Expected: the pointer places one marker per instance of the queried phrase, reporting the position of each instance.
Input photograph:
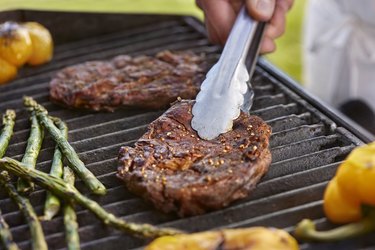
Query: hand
(221, 14)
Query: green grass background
(287, 57)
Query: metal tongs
(226, 89)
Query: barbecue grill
(308, 143)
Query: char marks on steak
(141, 81)
(177, 171)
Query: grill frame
(295, 189)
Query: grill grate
(306, 145)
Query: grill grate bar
(82, 44)
(287, 122)
(29, 90)
(303, 132)
(269, 100)
(303, 147)
(305, 162)
(174, 31)
(85, 145)
(273, 112)
(144, 48)
(308, 210)
(295, 180)
(230, 217)
(109, 123)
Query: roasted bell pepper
(15, 43)
(42, 43)
(349, 197)
(352, 187)
(23, 43)
(256, 238)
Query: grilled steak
(125, 81)
(177, 171)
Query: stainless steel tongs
(226, 89)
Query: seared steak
(177, 171)
(125, 81)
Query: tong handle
(242, 46)
(253, 51)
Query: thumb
(261, 10)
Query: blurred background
(287, 56)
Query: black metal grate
(306, 145)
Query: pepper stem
(306, 230)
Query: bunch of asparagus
(72, 157)
(24, 186)
(59, 183)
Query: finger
(220, 18)
(277, 23)
(285, 4)
(268, 45)
(236, 5)
(261, 10)
(213, 36)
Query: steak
(175, 170)
(151, 82)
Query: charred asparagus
(8, 122)
(52, 204)
(34, 143)
(74, 162)
(38, 240)
(69, 193)
(70, 218)
(6, 236)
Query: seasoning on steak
(142, 81)
(177, 171)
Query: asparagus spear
(74, 162)
(6, 134)
(52, 204)
(69, 193)
(8, 122)
(6, 236)
(38, 241)
(34, 143)
(70, 218)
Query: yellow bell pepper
(42, 43)
(256, 238)
(15, 43)
(23, 43)
(352, 188)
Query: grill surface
(306, 145)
